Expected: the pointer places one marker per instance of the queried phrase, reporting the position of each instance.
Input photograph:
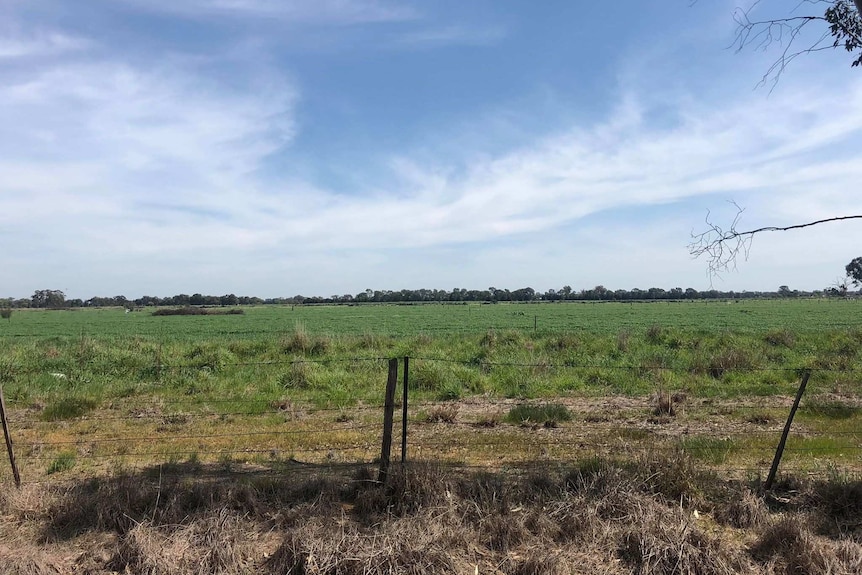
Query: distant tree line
(56, 299)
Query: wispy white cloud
(162, 165)
(302, 11)
(38, 44)
(121, 170)
(451, 35)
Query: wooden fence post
(404, 411)
(780, 450)
(388, 412)
(8, 440)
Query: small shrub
(6, 313)
(549, 413)
(62, 462)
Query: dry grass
(656, 514)
(447, 413)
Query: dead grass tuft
(788, 546)
(443, 414)
(743, 512)
(661, 546)
(222, 544)
(664, 404)
(407, 491)
(539, 564)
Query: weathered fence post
(8, 440)
(780, 450)
(404, 411)
(388, 412)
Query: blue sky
(277, 147)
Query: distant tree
(524, 294)
(229, 299)
(854, 271)
(48, 298)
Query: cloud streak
(339, 12)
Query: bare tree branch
(842, 22)
(723, 247)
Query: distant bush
(197, 311)
(6, 313)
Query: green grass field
(741, 316)
(334, 354)
(71, 376)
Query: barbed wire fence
(442, 419)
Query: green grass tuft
(68, 408)
(552, 413)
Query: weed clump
(665, 404)
(68, 408)
(549, 414)
(62, 462)
(300, 375)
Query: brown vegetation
(654, 515)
